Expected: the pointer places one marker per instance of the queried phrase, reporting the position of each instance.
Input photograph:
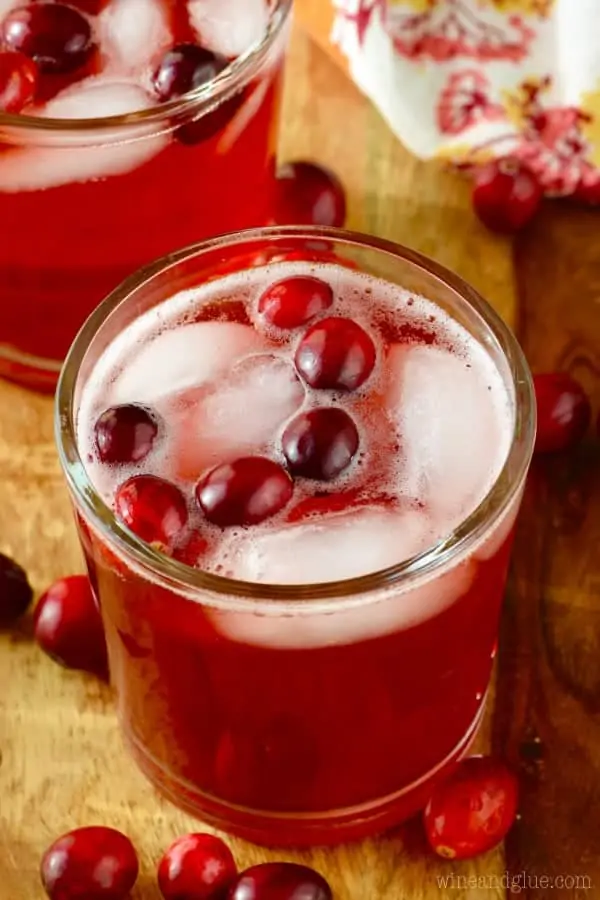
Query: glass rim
(184, 579)
(232, 79)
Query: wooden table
(61, 761)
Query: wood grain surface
(61, 760)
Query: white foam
(452, 426)
(186, 357)
(237, 417)
(133, 35)
(81, 156)
(229, 27)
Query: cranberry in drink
(128, 128)
(324, 466)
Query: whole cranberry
(295, 301)
(55, 35)
(308, 194)
(185, 68)
(563, 409)
(472, 810)
(18, 81)
(152, 508)
(125, 434)
(244, 492)
(15, 591)
(68, 626)
(196, 867)
(280, 881)
(93, 863)
(320, 444)
(506, 195)
(335, 353)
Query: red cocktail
(296, 458)
(160, 130)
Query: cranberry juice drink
(296, 473)
(128, 128)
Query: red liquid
(65, 247)
(211, 720)
(343, 737)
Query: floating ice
(345, 546)
(229, 27)
(183, 358)
(133, 34)
(452, 425)
(241, 415)
(71, 158)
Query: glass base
(305, 829)
(31, 372)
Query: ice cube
(229, 27)
(239, 416)
(183, 358)
(451, 424)
(342, 547)
(133, 34)
(84, 156)
(332, 548)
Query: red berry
(280, 881)
(18, 81)
(93, 863)
(185, 68)
(506, 195)
(15, 591)
(68, 626)
(125, 434)
(473, 810)
(295, 301)
(244, 492)
(320, 444)
(152, 508)
(563, 409)
(307, 194)
(335, 353)
(196, 867)
(56, 36)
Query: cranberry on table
(185, 68)
(295, 301)
(335, 353)
(56, 36)
(244, 492)
(68, 626)
(563, 409)
(18, 81)
(506, 195)
(15, 591)
(152, 508)
(94, 863)
(320, 444)
(196, 867)
(473, 810)
(308, 194)
(280, 881)
(125, 434)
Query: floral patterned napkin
(467, 80)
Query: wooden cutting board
(61, 761)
